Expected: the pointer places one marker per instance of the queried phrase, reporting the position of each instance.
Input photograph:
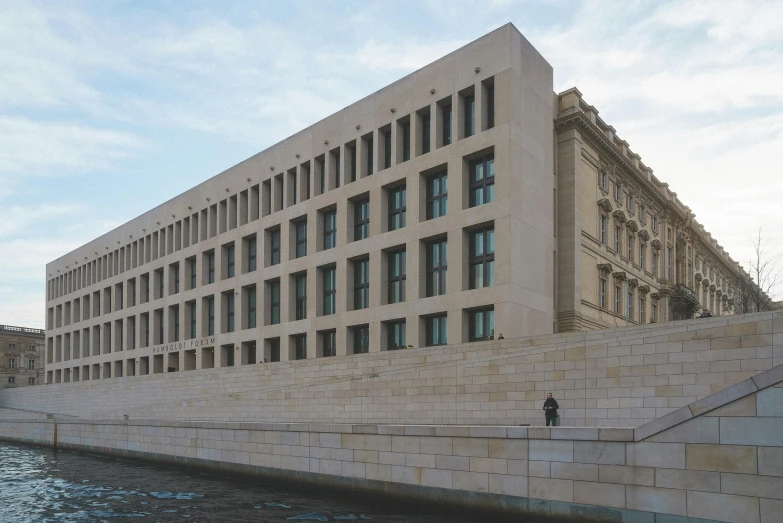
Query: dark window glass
(436, 330)
(192, 274)
(274, 240)
(397, 208)
(395, 335)
(211, 267)
(602, 292)
(353, 164)
(482, 258)
(176, 323)
(230, 262)
(274, 349)
(329, 343)
(396, 264)
(425, 133)
(274, 302)
(482, 324)
(301, 238)
(387, 149)
(361, 339)
(490, 107)
(193, 320)
(330, 290)
(301, 296)
(361, 215)
(406, 141)
(437, 195)
(251, 308)
(361, 282)
(252, 255)
(446, 124)
(437, 257)
(230, 311)
(322, 174)
(369, 156)
(330, 229)
(482, 181)
(300, 347)
(337, 169)
(176, 281)
(470, 116)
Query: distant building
(464, 200)
(21, 356)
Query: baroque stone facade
(422, 215)
(21, 356)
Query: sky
(143, 100)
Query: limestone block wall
(621, 377)
(718, 459)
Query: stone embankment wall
(620, 377)
(720, 459)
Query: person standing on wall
(550, 410)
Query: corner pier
(716, 458)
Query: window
(481, 324)
(602, 292)
(387, 149)
(406, 141)
(300, 347)
(11, 363)
(395, 335)
(654, 312)
(643, 214)
(11, 380)
(655, 224)
(322, 174)
(193, 320)
(629, 304)
(437, 257)
(370, 161)
(618, 239)
(211, 267)
(300, 283)
(352, 164)
(630, 247)
(361, 339)
(31, 381)
(669, 256)
(482, 258)
(31, 364)
(618, 293)
(192, 264)
(397, 208)
(329, 343)
(425, 133)
(274, 247)
(630, 202)
(642, 319)
(655, 264)
(618, 192)
(642, 255)
(252, 254)
(274, 302)
(330, 290)
(361, 214)
(230, 262)
(330, 230)
(211, 316)
(490, 106)
(396, 262)
(602, 180)
(470, 115)
(482, 181)
(447, 124)
(602, 229)
(301, 238)
(230, 311)
(251, 307)
(690, 275)
(437, 195)
(361, 284)
(436, 329)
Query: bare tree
(754, 290)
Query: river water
(37, 484)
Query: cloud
(18, 220)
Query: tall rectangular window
(192, 263)
(211, 267)
(630, 247)
(252, 254)
(396, 263)
(230, 261)
(655, 264)
(642, 319)
(629, 304)
(251, 307)
(361, 218)
(31, 364)
(406, 141)
(301, 296)
(361, 339)
(482, 258)
(330, 230)
(193, 320)
(395, 335)
(669, 257)
(618, 294)
(176, 323)
(230, 311)
(690, 275)
(211, 316)
(301, 238)
(602, 179)
(602, 292)
(642, 255)
(353, 163)
(330, 290)
(481, 324)
(300, 347)
(618, 239)
(447, 124)
(329, 343)
(274, 247)
(397, 208)
(436, 330)
(482, 181)
(425, 133)
(370, 160)
(322, 174)
(618, 192)
(361, 284)
(490, 106)
(470, 115)
(437, 257)
(274, 302)
(387, 149)
(437, 195)
(602, 229)
(175, 272)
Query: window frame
(441, 330)
(252, 307)
(328, 343)
(436, 273)
(441, 200)
(252, 255)
(329, 276)
(300, 232)
(392, 329)
(397, 210)
(300, 301)
(329, 231)
(485, 260)
(274, 301)
(361, 283)
(361, 333)
(361, 223)
(486, 185)
(396, 258)
(487, 323)
(274, 246)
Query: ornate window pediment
(656, 244)
(605, 205)
(644, 289)
(605, 269)
(619, 215)
(644, 235)
(633, 283)
(632, 225)
(698, 277)
(705, 282)
(655, 296)
(620, 276)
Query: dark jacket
(551, 402)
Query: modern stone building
(21, 356)
(463, 201)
